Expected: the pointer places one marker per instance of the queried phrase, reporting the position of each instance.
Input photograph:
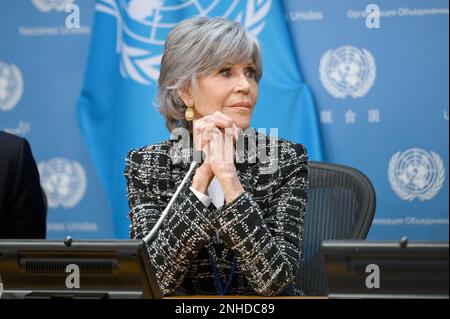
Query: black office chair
(341, 205)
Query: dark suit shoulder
(11, 144)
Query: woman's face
(231, 90)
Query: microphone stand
(198, 157)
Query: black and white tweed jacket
(262, 228)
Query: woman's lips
(241, 105)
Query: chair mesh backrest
(341, 205)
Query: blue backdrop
(41, 71)
(378, 90)
(382, 95)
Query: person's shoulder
(151, 155)
(11, 144)
(290, 150)
(10, 139)
(287, 150)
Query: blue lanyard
(222, 291)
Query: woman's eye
(225, 72)
(251, 73)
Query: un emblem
(143, 26)
(347, 71)
(64, 182)
(416, 173)
(49, 5)
(11, 86)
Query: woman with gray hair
(237, 226)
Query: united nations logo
(64, 182)
(11, 86)
(49, 5)
(416, 173)
(143, 26)
(347, 71)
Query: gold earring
(189, 114)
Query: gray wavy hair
(197, 47)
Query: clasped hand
(216, 136)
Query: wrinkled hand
(216, 136)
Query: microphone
(198, 157)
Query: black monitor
(76, 269)
(376, 269)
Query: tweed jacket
(262, 229)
